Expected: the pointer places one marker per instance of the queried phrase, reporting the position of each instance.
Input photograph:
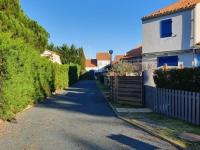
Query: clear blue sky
(95, 25)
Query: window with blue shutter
(169, 60)
(166, 28)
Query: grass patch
(167, 127)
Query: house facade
(91, 64)
(170, 37)
(54, 57)
(98, 64)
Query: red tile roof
(103, 56)
(91, 63)
(173, 8)
(136, 52)
(118, 57)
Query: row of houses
(171, 36)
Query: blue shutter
(166, 28)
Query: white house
(91, 64)
(54, 57)
(103, 59)
(171, 36)
(98, 64)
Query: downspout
(194, 35)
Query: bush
(74, 73)
(25, 77)
(60, 76)
(122, 69)
(182, 79)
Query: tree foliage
(70, 54)
(25, 76)
(13, 20)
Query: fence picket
(179, 106)
(176, 103)
(197, 110)
(173, 103)
(189, 107)
(182, 105)
(193, 108)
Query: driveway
(78, 119)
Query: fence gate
(127, 90)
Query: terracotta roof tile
(136, 52)
(173, 8)
(103, 56)
(91, 63)
(118, 57)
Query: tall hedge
(25, 77)
(61, 78)
(182, 79)
(74, 73)
(14, 20)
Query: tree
(70, 55)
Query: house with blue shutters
(171, 37)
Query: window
(169, 60)
(166, 28)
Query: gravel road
(78, 119)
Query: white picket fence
(183, 105)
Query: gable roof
(103, 56)
(91, 63)
(181, 5)
(136, 52)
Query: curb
(133, 123)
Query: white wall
(102, 63)
(197, 23)
(52, 56)
(91, 68)
(182, 29)
(186, 59)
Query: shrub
(60, 76)
(181, 79)
(25, 77)
(124, 68)
(74, 73)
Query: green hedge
(74, 73)
(61, 78)
(26, 77)
(182, 79)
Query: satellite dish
(110, 52)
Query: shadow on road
(83, 97)
(132, 143)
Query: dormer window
(166, 28)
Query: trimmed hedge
(25, 76)
(61, 77)
(74, 73)
(182, 79)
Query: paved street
(79, 119)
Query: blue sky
(95, 25)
